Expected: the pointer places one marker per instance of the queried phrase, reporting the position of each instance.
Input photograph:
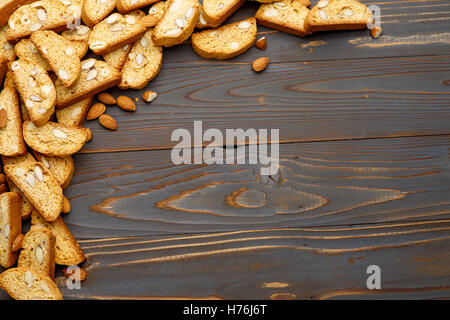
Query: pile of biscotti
(49, 85)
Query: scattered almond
(125, 103)
(376, 32)
(66, 205)
(149, 96)
(83, 273)
(3, 188)
(261, 43)
(108, 122)
(2, 178)
(149, 21)
(96, 111)
(3, 118)
(106, 98)
(260, 64)
(17, 244)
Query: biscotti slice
(10, 227)
(40, 15)
(216, 12)
(143, 64)
(226, 41)
(79, 36)
(116, 31)
(68, 251)
(338, 15)
(96, 76)
(177, 23)
(287, 16)
(202, 23)
(95, 11)
(7, 7)
(23, 283)
(75, 114)
(118, 57)
(157, 10)
(26, 207)
(26, 50)
(55, 139)
(125, 6)
(38, 251)
(39, 186)
(11, 137)
(36, 90)
(62, 168)
(60, 55)
(6, 49)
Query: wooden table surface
(365, 172)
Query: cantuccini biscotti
(143, 64)
(7, 7)
(36, 90)
(39, 186)
(226, 41)
(116, 31)
(338, 15)
(202, 23)
(125, 6)
(26, 50)
(95, 11)
(10, 227)
(216, 12)
(177, 23)
(287, 16)
(157, 10)
(79, 36)
(40, 15)
(38, 251)
(68, 251)
(118, 57)
(60, 55)
(23, 283)
(6, 48)
(11, 137)
(62, 168)
(96, 76)
(75, 114)
(55, 139)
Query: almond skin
(66, 205)
(260, 64)
(125, 103)
(108, 122)
(3, 118)
(3, 188)
(96, 111)
(2, 178)
(261, 43)
(106, 98)
(149, 21)
(17, 244)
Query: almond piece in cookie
(79, 37)
(7, 7)
(177, 23)
(39, 186)
(94, 11)
(338, 15)
(6, 49)
(96, 76)
(62, 168)
(143, 63)
(116, 31)
(23, 283)
(287, 16)
(10, 227)
(38, 251)
(157, 10)
(60, 55)
(216, 12)
(125, 6)
(226, 41)
(36, 90)
(55, 139)
(11, 137)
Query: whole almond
(17, 244)
(261, 43)
(260, 64)
(149, 21)
(106, 98)
(96, 111)
(149, 96)
(66, 205)
(125, 103)
(108, 122)
(3, 118)
(2, 178)
(83, 273)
